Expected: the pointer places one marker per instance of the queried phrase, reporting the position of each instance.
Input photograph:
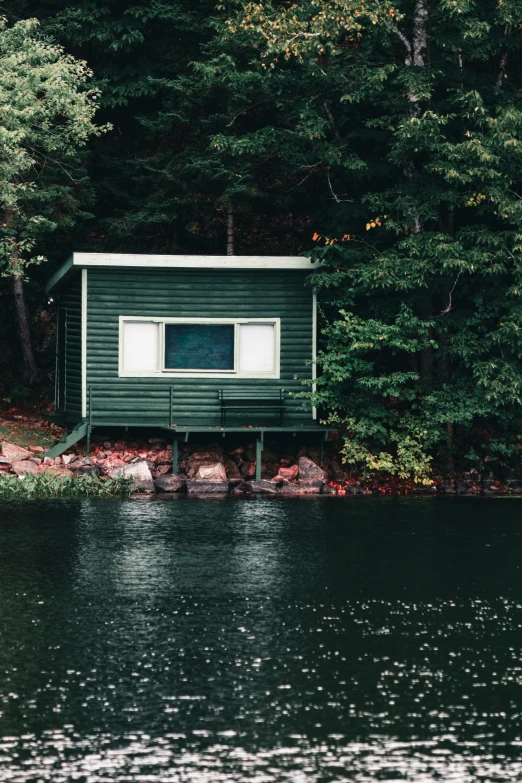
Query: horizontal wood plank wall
(194, 294)
(71, 299)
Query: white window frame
(168, 373)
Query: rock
(447, 487)
(309, 470)
(306, 487)
(461, 488)
(270, 470)
(68, 458)
(48, 461)
(208, 471)
(355, 489)
(159, 442)
(58, 462)
(237, 452)
(21, 467)
(85, 470)
(5, 464)
(161, 470)
(232, 470)
(248, 469)
(37, 449)
(198, 487)
(140, 474)
(165, 455)
(311, 486)
(15, 453)
(289, 473)
(328, 490)
(170, 483)
(264, 486)
(335, 471)
(213, 453)
(244, 487)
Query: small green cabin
(189, 343)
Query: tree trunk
(29, 364)
(29, 369)
(230, 230)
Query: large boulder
(198, 487)
(21, 467)
(306, 487)
(248, 469)
(208, 471)
(212, 453)
(170, 483)
(290, 473)
(309, 470)
(232, 470)
(139, 472)
(5, 464)
(264, 487)
(15, 453)
(243, 488)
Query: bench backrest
(233, 395)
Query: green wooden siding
(192, 293)
(70, 353)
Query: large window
(197, 347)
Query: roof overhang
(135, 261)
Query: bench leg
(259, 456)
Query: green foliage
(391, 134)
(36, 486)
(47, 117)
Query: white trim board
(84, 343)
(138, 261)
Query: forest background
(384, 138)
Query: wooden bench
(253, 400)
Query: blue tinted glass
(199, 346)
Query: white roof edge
(143, 261)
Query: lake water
(295, 640)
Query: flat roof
(140, 261)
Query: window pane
(257, 347)
(199, 346)
(140, 346)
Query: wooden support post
(321, 452)
(89, 425)
(171, 394)
(175, 455)
(259, 455)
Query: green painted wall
(192, 293)
(70, 351)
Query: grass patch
(44, 486)
(27, 436)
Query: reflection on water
(299, 640)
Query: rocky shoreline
(288, 469)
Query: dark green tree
(420, 240)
